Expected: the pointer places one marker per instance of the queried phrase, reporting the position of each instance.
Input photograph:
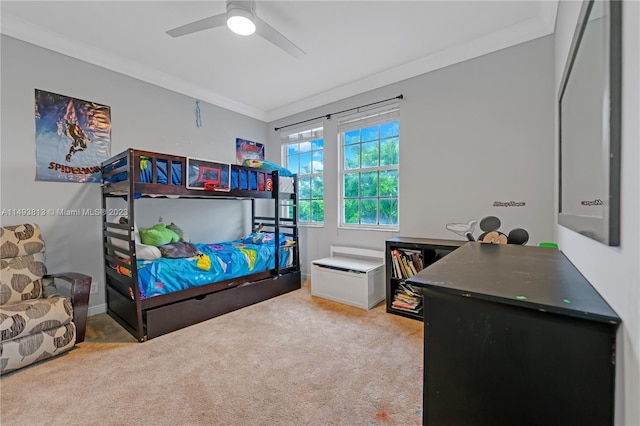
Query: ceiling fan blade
(202, 24)
(269, 33)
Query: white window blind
(301, 135)
(369, 118)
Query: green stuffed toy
(158, 235)
(175, 228)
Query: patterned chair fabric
(22, 263)
(34, 324)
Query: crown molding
(520, 33)
(75, 48)
(549, 13)
(527, 30)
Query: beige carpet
(292, 360)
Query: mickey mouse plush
(490, 226)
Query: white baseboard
(98, 309)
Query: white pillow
(147, 252)
(143, 251)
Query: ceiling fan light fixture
(241, 20)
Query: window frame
(379, 116)
(316, 131)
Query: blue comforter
(217, 262)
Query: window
(370, 145)
(304, 155)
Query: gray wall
(471, 134)
(464, 129)
(615, 271)
(143, 116)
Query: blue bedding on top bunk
(146, 175)
(242, 179)
(217, 262)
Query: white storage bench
(353, 276)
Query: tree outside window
(370, 174)
(304, 155)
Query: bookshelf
(405, 257)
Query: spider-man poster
(72, 138)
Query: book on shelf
(407, 298)
(409, 290)
(406, 262)
(408, 307)
(396, 266)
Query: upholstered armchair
(36, 321)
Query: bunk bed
(272, 269)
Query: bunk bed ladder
(134, 172)
(276, 219)
(281, 225)
(296, 249)
(290, 223)
(122, 313)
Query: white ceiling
(351, 46)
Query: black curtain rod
(328, 116)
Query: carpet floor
(292, 360)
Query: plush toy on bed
(178, 250)
(158, 235)
(175, 228)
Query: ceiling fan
(241, 18)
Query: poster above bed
(248, 150)
(208, 175)
(73, 137)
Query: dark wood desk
(515, 335)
